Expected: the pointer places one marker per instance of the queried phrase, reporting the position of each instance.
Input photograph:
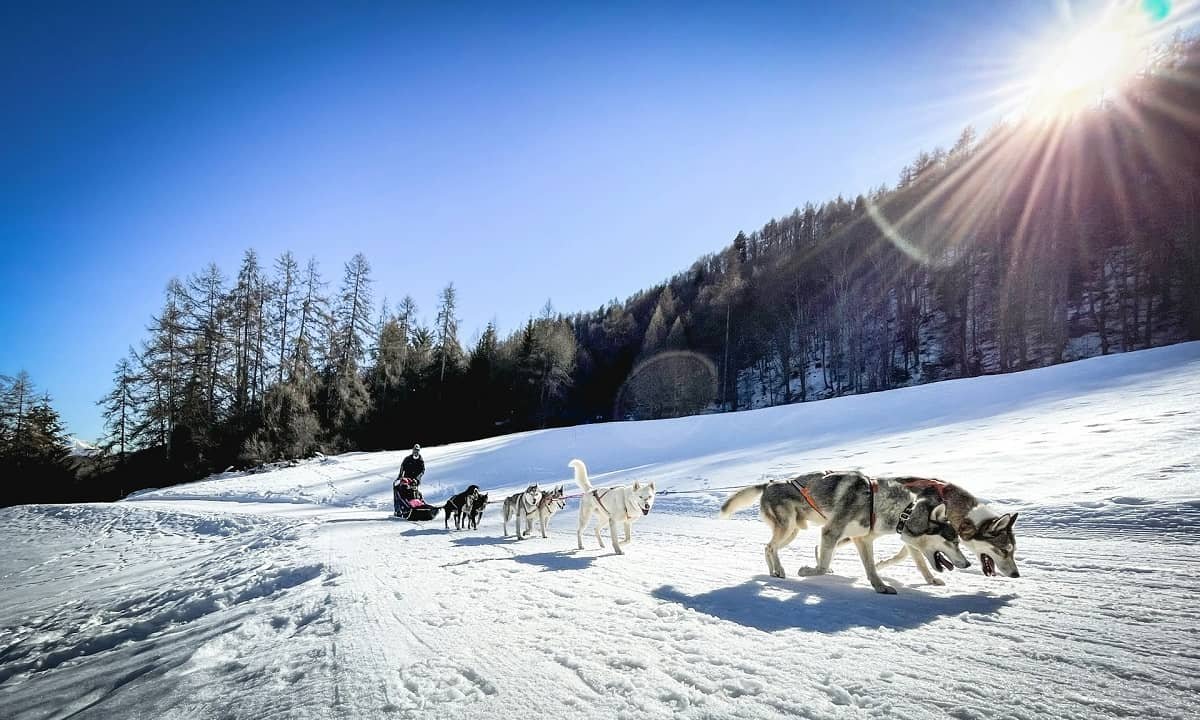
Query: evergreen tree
(447, 351)
(120, 408)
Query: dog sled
(410, 505)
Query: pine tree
(247, 304)
(17, 402)
(656, 333)
(353, 314)
(312, 311)
(162, 369)
(447, 351)
(204, 323)
(120, 409)
(283, 310)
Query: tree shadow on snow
(827, 604)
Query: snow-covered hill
(290, 593)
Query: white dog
(624, 504)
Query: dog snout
(1016, 574)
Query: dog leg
(893, 559)
(829, 540)
(923, 566)
(778, 534)
(612, 532)
(866, 551)
(585, 514)
(628, 528)
(542, 523)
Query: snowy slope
(290, 594)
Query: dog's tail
(741, 499)
(581, 475)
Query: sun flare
(1078, 71)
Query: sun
(1079, 71)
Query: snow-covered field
(291, 594)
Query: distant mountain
(81, 448)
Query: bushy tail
(741, 499)
(581, 475)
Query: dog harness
(807, 496)
(872, 488)
(925, 483)
(904, 516)
(630, 511)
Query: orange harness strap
(807, 497)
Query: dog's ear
(636, 484)
(1005, 522)
(938, 514)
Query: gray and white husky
(850, 505)
(551, 502)
(520, 507)
(985, 532)
(618, 505)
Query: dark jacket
(412, 467)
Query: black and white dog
(474, 509)
(457, 505)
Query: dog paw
(937, 581)
(807, 571)
(777, 574)
(886, 590)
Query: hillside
(290, 593)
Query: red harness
(927, 483)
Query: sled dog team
(929, 516)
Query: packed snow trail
(291, 594)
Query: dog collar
(904, 516)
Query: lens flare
(1085, 68)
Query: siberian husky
(552, 501)
(850, 505)
(985, 533)
(520, 506)
(622, 504)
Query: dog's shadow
(481, 540)
(553, 560)
(557, 560)
(827, 604)
(439, 530)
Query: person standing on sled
(411, 471)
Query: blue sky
(569, 152)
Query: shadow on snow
(826, 604)
(557, 560)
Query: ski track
(290, 594)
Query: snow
(290, 593)
(81, 448)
